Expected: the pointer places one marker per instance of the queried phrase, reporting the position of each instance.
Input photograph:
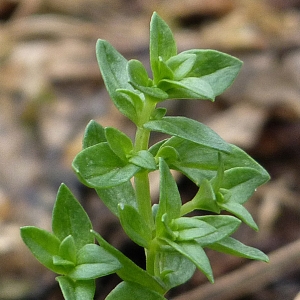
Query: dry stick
(250, 278)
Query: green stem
(151, 259)
(142, 190)
(141, 179)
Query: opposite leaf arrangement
(174, 242)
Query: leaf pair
(224, 184)
(198, 161)
(194, 74)
(189, 235)
(113, 68)
(168, 212)
(70, 249)
(118, 161)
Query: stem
(151, 259)
(141, 179)
(142, 190)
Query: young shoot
(174, 241)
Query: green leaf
(165, 230)
(76, 290)
(197, 167)
(162, 45)
(205, 198)
(120, 194)
(187, 88)
(194, 252)
(186, 228)
(69, 218)
(216, 68)
(119, 142)
(130, 271)
(99, 167)
(139, 79)
(238, 158)
(144, 159)
(94, 134)
(241, 212)
(137, 73)
(175, 269)
(158, 113)
(181, 64)
(113, 67)
(224, 225)
(154, 92)
(136, 100)
(134, 225)
(130, 290)
(59, 261)
(217, 181)
(43, 245)
(169, 154)
(190, 130)
(93, 262)
(232, 246)
(241, 182)
(156, 147)
(165, 70)
(169, 197)
(67, 249)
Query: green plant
(174, 242)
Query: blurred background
(50, 87)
